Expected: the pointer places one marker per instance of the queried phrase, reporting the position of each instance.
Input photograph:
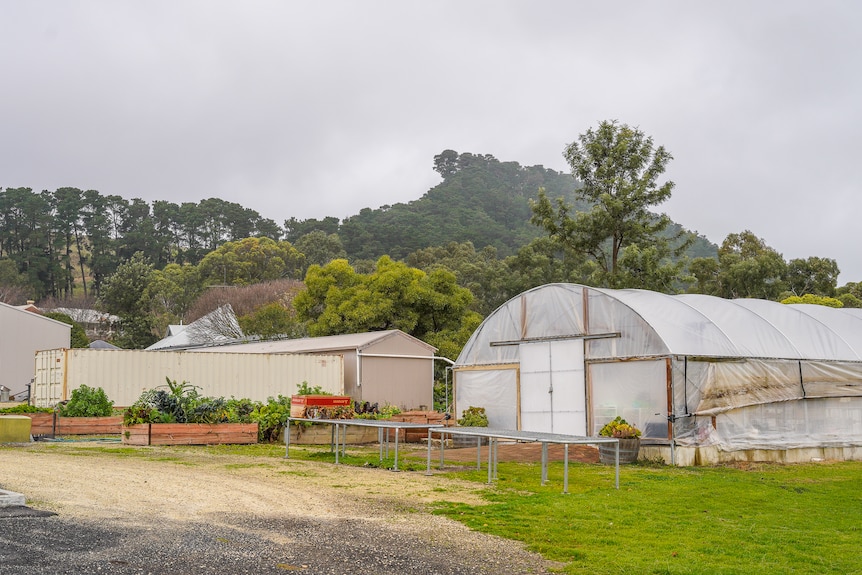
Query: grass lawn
(752, 519)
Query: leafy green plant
(374, 412)
(209, 410)
(620, 429)
(305, 389)
(25, 408)
(87, 401)
(473, 417)
(271, 417)
(139, 413)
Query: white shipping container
(125, 374)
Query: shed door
(553, 396)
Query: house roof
(102, 344)
(358, 341)
(87, 316)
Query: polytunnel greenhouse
(706, 379)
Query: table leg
(490, 463)
(566, 468)
(617, 464)
(478, 453)
(496, 456)
(287, 440)
(428, 466)
(396, 449)
(442, 442)
(544, 463)
(335, 432)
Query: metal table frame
(493, 435)
(340, 425)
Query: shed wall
(124, 374)
(407, 382)
(22, 334)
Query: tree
(395, 296)
(171, 292)
(480, 271)
(812, 275)
(271, 320)
(320, 248)
(850, 294)
(746, 268)
(618, 167)
(13, 285)
(251, 260)
(125, 293)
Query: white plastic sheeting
(746, 374)
(495, 389)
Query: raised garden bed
(189, 433)
(322, 435)
(53, 424)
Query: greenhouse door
(552, 387)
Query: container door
(47, 387)
(553, 397)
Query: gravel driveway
(180, 510)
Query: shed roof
(357, 341)
(653, 324)
(35, 315)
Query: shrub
(88, 402)
(271, 417)
(473, 417)
(25, 408)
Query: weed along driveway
(233, 510)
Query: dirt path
(308, 513)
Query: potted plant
(629, 437)
(471, 417)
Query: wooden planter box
(322, 435)
(189, 433)
(52, 424)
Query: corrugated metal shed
(383, 367)
(124, 374)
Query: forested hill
(481, 200)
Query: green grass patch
(246, 465)
(801, 519)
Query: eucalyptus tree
(429, 306)
(251, 260)
(746, 267)
(813, 275)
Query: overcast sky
(321, 108)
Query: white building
(22, 334)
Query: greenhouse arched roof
(641, 323)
